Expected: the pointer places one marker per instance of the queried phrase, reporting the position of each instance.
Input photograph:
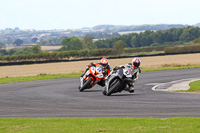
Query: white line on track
(171, 82)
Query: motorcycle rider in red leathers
(135, 71)
(106, 70)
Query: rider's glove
(122, 67)
(91, 64)
(115, 68)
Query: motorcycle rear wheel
(113, 87)
(86, 84)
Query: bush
(182, 49)
(100, 52)
(144, 49)
(13, 57)
(6, 58)
(196, 41)
(83, 53)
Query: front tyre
(104, 92)
(113, 86)
(85, 85)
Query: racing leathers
(106, 72)
(135, 71)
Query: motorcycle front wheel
(85, 85)
(113, 86)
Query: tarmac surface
(61, 98)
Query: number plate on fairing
(98, 69)
(127, 73)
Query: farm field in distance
(79, 66)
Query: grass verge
(194, 86)
(96, 125)
(56, 76)
(169, 68)
(38, 77)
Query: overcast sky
(75, 14)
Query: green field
(99, 125)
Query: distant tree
(9, 40)
(18, 42)
(190, 33)
(88, 42)
(12, 51)
(72, 43)
(115, 34)
(119, 46)
(157, 37)
(36, 49)
(146, 39)
(101, 44)
(44, 42)
(19, 51)
(127, 38)
(54, 41)
(34, 40)
(3, 52)
(134, 42)
(2, 45)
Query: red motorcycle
(93, 76)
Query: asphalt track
(61, 98)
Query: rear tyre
(113, 86)
(86, 85)
(131, 91)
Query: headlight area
(99, 76)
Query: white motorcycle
(117, 81)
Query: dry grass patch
(79, 66)
(48, 48)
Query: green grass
(169, 68)
(194, 86)
(98, 125)
(56, 76)
(38, 77)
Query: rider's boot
(126, 88)
(81, 81)
(131, 88)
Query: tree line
(36, 49)
(87, 47)
(154, 38)
(39, 55)
(134, 40)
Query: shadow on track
(92, 91)
(129, 94)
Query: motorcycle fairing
(118, 74)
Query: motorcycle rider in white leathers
(135, 71)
